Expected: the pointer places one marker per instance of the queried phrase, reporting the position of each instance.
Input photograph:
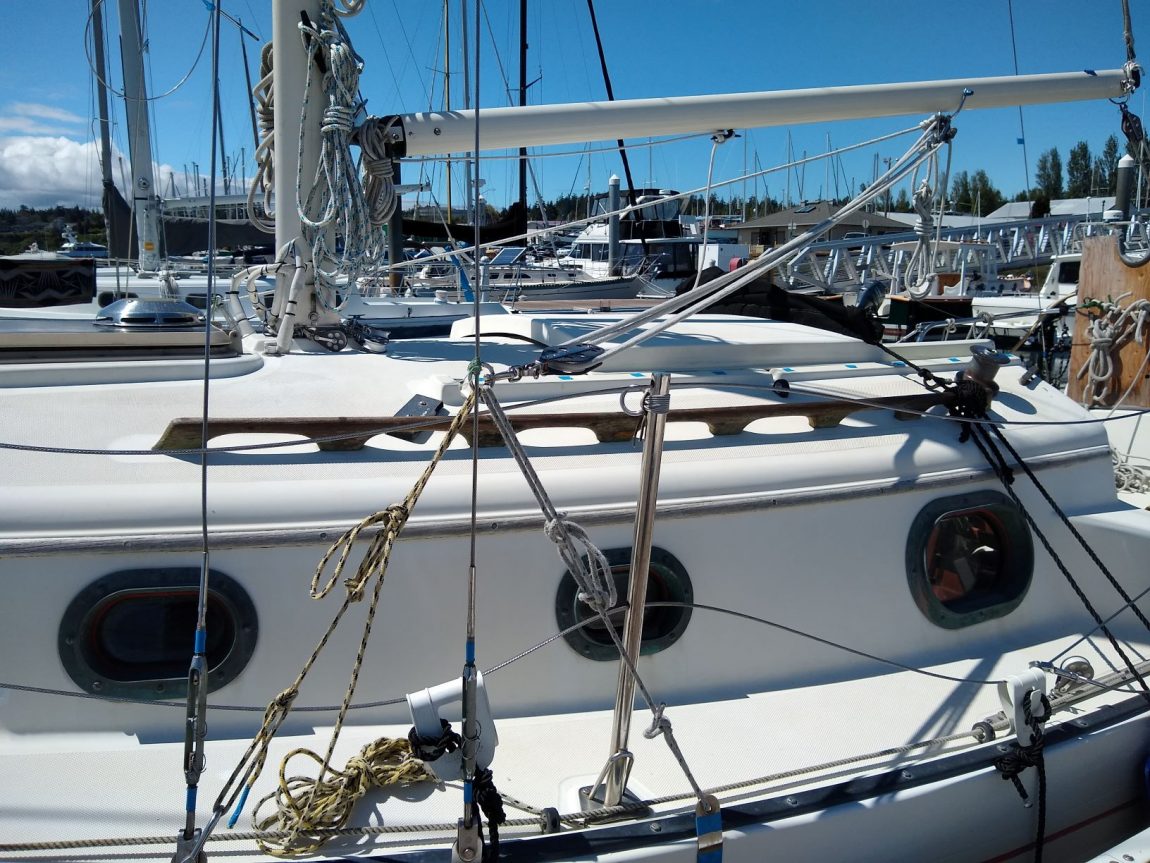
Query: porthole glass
(662, 625)
(969, 558)
(131, 633)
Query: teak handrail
(353, 433)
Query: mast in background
(447, 90)
(472, 183)
(146, 202)
(523, 101)
(105, 127)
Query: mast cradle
(435, 132)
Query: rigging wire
(119, 93)
(552, 639)
(1021, 126)
(195, 729)
(624, 211)
(680, 307)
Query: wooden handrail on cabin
(355, 432)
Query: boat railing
(836, 265)
(975, 327)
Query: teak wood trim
(354, 432)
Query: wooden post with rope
(1107, 281)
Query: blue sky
(653, 47)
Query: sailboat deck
(717, 364)
(766, 734)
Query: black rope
(970, 409)
(1070, 526)
(1021, 757)
(491, 804)
(611, 98)
(929, 379)
(1128, 31)
(985, 444)
(428, 749)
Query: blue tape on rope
(201, 641)
(467, 792)
(190, 799)
(239, 807)
(470, 651)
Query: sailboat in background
(547, 642)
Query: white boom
(436, 132)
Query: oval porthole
(662, 625)
(969, 558)
(131, 633)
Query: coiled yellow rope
(304, 804)
(308, 809)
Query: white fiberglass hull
(743, 513)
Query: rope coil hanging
(1112, 329)
(304, 805)
(264, 180)
(335, 206)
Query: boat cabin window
(1068, 272)
(969, 559)
(589, 251)
(666, 258)
(132, 633)
(662, 625)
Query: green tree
(1079, 167)
(1049, 174)
(902, 202)
(975, 194)
(960, 192)
(1106, 168)
(987, 198)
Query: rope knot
(659, 723)
(284, 700)
(657, 404)
(1021, 757)
(337, 118)
(377, 168)
(426, 749)
(592, 572)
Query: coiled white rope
(264, 180)
(1109, 332)
(1129, 477)
(335, 205)
(916, 278)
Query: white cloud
(28, 126)
(43, 171)
(46, 170)
(34, 118)
(46, 112)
